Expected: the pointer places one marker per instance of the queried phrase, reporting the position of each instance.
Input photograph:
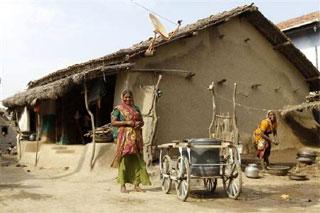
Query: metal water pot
(252, 171)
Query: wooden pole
(211, 88)
(155, 95)
(19, 135)
(37, 138)
(236, 130)
(153, 113)
(155, 117)
(92, 124)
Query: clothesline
(247, 107)
(243, 105)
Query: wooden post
(92, 124)
(154, 98)
(235, 128)
(153, 113)
(155, 117)
(19, 135)
(211, 88)
(37, 137)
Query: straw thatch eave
(60, 87)
(304, 106)
(49, 91)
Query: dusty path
(24, 189)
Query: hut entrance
(100, 99)
(73, 120)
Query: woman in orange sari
(127, 122)
(262, 140)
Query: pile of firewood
(102, 133)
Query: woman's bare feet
(123, 189)
(138, 189)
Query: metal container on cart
(204, 162)
(203, 158)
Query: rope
(147, 9)
(245, 106)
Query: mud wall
(74, 158)
(10, 137)
(234, 51)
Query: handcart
(202, 158)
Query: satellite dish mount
(159, 29)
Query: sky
(38, 37)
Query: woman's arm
(275, 136)
(115, 122)
(267, 138)
(140, 123)
(115, 119)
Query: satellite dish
(158, 26)
(161, 30)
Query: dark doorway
(73, 120)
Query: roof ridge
(201, 23)
(299, 21)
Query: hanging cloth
(24, 121)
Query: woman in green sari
(127, 122)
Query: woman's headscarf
(124, 92)
(268, 112)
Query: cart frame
(178, 170)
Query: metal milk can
(252, 171)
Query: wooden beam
(220, 82)
(187, 74)
(278, 46)
(312, 78)
(255, 86)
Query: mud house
(239, 46)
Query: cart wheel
(232, 175)
(164, 174)
(183, 178)
(210, 184)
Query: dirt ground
(31, 189)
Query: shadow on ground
(253, 198)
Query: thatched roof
(273, 34)
(303, 106)
(56, 89)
